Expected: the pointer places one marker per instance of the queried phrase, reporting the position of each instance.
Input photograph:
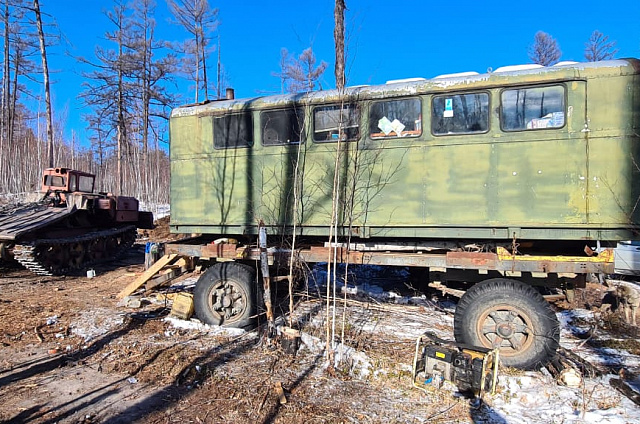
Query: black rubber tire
(225, 295)
(512, 315)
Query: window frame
(247, 145)
(347, 105)
(395, 99)
(565, 100)
(296, 109)
(460, 93)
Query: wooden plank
(164, 277)
(138, 282)
(13, 226)
(170, 272)
(625, 389)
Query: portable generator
(472, 369)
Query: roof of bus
(503, 76)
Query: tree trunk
(45, 72)
(205, 80)
(218, 88)
(121, 124)
(4, 123)
(338, 36)
(197, 57)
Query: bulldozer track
(63, 255)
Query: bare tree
(149, 74)
(4, 122)
(545, 50)
(128, 96)
(599, 47)
(199, 20)
(45, 73)
(107, 90)
(300, 75)
(338, 36)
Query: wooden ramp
(28, 219)
(164, 270)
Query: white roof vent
(396, 81)
(459, 74)
(512, 68)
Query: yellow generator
(472, 369)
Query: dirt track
(70, 354)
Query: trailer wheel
(225, 295)
(512, 316)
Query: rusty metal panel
(472, 260)
(325, 254)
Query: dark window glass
(86, 184)
(395, 118)
(282, 126)
(231, 131)
(55, 181)
(327, 123)
(533, 108)
(460, 114)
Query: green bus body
(570, 174)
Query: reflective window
(55, 181)
(231, 131)
(86, 184)
(532, 108)
(331, 123)
(460, 114)
(282, 126)
(395, 118)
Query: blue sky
(385, 40)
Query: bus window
(460, 114)
(232, 131)
(532, 108)
(282, 126)
(73, 182)
(395, 118)
(328, 120)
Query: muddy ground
(71, 354)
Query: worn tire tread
(546, 339)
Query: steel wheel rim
(227, 301)
(507, 328)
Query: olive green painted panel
(614, 192)
(208, 186)
(576, 182)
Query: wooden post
(264, 266)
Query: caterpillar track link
(65, 256)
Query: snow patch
(95, 323)
(194, 324)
